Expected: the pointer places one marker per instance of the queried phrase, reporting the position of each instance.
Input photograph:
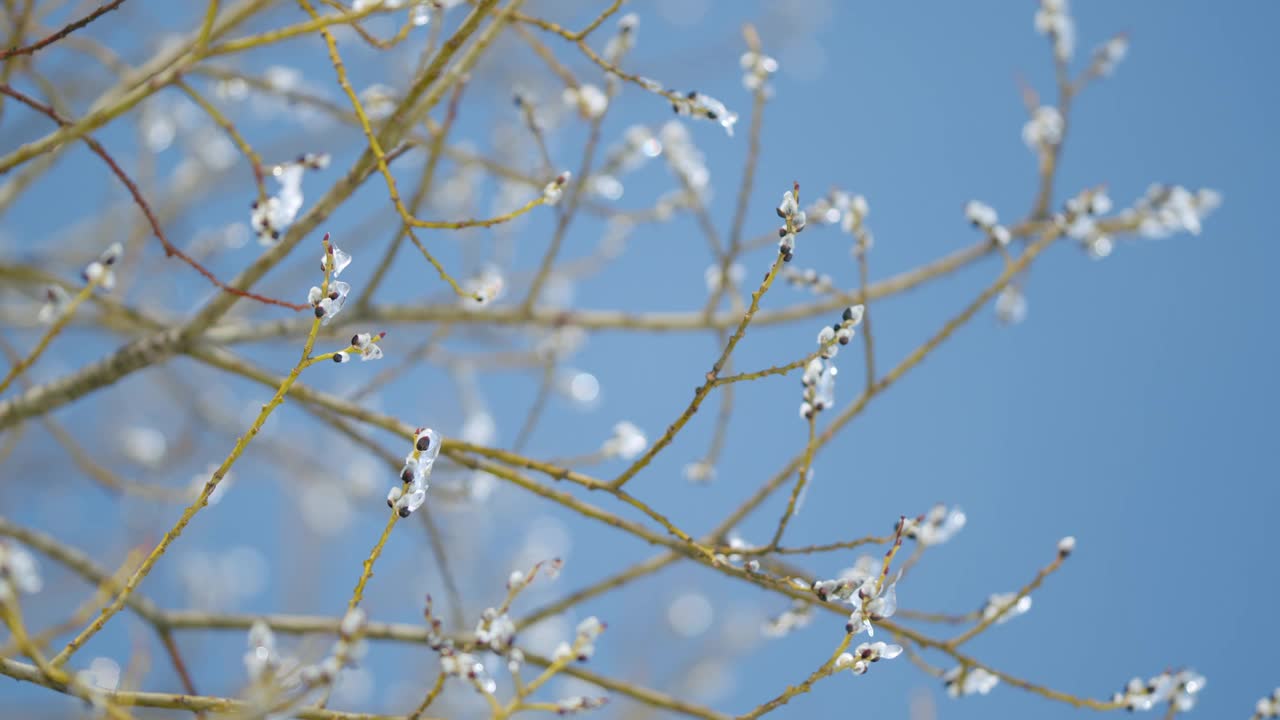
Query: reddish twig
(170, 250)
(29, 49)
(179, 666)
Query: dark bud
(423, 443)
(692, 94)
(336, 358)
(333, 295)
(319, 311)
(275, 234)
(406, 475)
(847, 315)
(782, 231)
(403, 512)
(354, 338)
(780, 213)
(786, 257)
(711, 115)
(844, 340)
(675, 108)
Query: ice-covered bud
(984, 217)
(1067, 545)
(590, 628)
(486, 287)
(18, 571)
(1179, 689)
(271, 217)
(590, 101)
(411, 500)
(553, 190)
(787, 246)
(700, 471)
(824, 391)
(1054, 19)
(353, 623)
(335, 257)
(935, 527)
(961, 680)
(1099, 203)
(261, 661)
(980, 214)
(859, 661)
(812, 371)
(621, 43)
(1011, 305)
(427, 442)
(314, 161)
(757, 68)
(810, 279)
(496, 631)
(1269, 707)
(328, 306)
(873, 600)
(797, 616)
(1109, 54)
(826, 335)
(55, 304)
(100, 271)
(562, 653)
(576, 704)
(1005, 606)
(1166, 210)
(1044, 129)
(697, 104)
(420, 14)
(584, 641)
(852, 315)
(788, 206)
(1187, 685)
(627, 441)
(372, 351)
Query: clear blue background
(1133, 409)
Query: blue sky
(1133, 409)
